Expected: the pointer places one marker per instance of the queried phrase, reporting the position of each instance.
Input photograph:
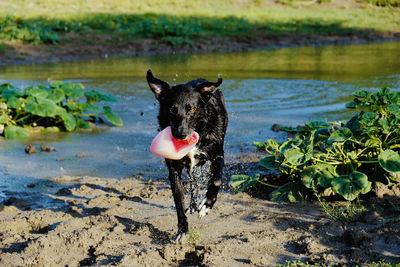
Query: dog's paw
(180, 237)
(203, 208)
(190, 210)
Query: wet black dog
(195, 106)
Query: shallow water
(287, 86)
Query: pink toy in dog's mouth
(167, 146)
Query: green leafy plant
(62, 106)
(337, 158)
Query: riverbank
(72, 47)
(130, 222)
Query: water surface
(286, 86)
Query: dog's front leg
(194, 192)
(214, 185)
(175, 170)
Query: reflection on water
(285, 86)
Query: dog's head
(182, 106)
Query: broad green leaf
(352, 104)
(351, 185)
(269, 163)
(68, 119)
(8, 93)
(41, 107)
(340, 135)
(297, 156)
(242, 182)
(5, 86)
(72, 90)
(322, 134)
(82, 124)
(87, 106)
(56, 84)
(94, 96)
(286, 193)
(308, 176)
(57, 95)
(319, 174)
(317, 124)
(291, 143)
(361, 93)
(326, 174)
(373, 143)
(354, 124)
(367, 188)
(260, 145)
(385, 126)
(388, 95)
(15, 132)
(72, 105)
(14, 102)
(36, 91)
(112, 117)
(394, 109)
(4, 119)
(369, 118)
(375, 97)
(389, 160)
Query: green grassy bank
(179, 22)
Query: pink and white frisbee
(167, 146)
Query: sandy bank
(130, 222)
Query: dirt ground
(131, 222)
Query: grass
(294, 263)
(383, 263)
(178, 21)
(351, 212)
(194, 237)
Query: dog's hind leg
(214, 185)
(175, 171)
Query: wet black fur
(195, 106)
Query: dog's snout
(180, 132)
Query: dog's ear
(156, 85)
(209, 87)
(206, 88)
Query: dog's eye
(173, 110)
(190, 109)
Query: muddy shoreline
(131, 222)
(75, 46)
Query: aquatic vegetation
(336, 158)
(62, 106)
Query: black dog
(195, 106)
